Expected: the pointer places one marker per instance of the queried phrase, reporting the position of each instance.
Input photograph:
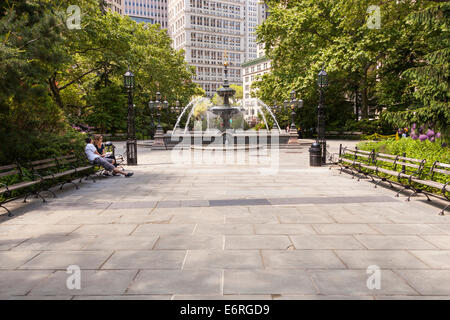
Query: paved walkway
(249, 230)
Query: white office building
(148, 11)
(205, 30)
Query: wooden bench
(356, 161)
(409, 173)
(24, 182)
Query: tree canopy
(399, 69)
(52, 75)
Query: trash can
(315, 155)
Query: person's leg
(107, 164)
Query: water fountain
(212, 125)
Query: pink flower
(430, 133)
(438, 135)
(423, 137)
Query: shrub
(413, 149)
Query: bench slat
(9, 173)
(9, 166)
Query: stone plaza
(233, 231)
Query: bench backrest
(10, 170)
(68, 160)
(406, 165)
(358, 155)
(439, 168)
(43, 165)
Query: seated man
(96, 158)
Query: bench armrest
(4, 185)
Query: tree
(365, 65)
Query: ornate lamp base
(293, 136)
(159, 144)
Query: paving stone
(156, 259)
(190, 242)
(229, 228)
(343, 217)
(147, 229)
(397, 297)
(38, 298)
(225, 259)
(222, 297)
(105, 229)
(304, 218)
(394, 242)
(256, 242)
(198, 218)
(321, 297)
(134, 242)
(385, 259)
(251, 218)
(284, 229)
(20, 282)
(63, 259)
(8, 242)
(443, 227)
(442, 242)
(88, 219)
(111, 282)
(352, 228)
(325, 242)
(14, 259)
(428, 282)
(55, 243)
(402, 229)
(44, 230)
(267, 282)
(301, 259)
(133, 205)
(436, 259)
(206, 282)
(354, 283)
(124, 297)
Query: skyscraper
(150, 11)
(205, 30)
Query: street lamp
(128, 82)
(322, 82)
(158, 143)
(293, 104)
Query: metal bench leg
(443, 210)
(404, 188)
(7, 210)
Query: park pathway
(252, 230)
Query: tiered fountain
(220, 135)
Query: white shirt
(90, 152)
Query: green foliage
(51, 76)
(400, 70)
(413, 149)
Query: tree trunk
(55, 91)
(364, 98)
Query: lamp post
(158, 143)
(293, 104)
(128, 81)
(322, 82)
